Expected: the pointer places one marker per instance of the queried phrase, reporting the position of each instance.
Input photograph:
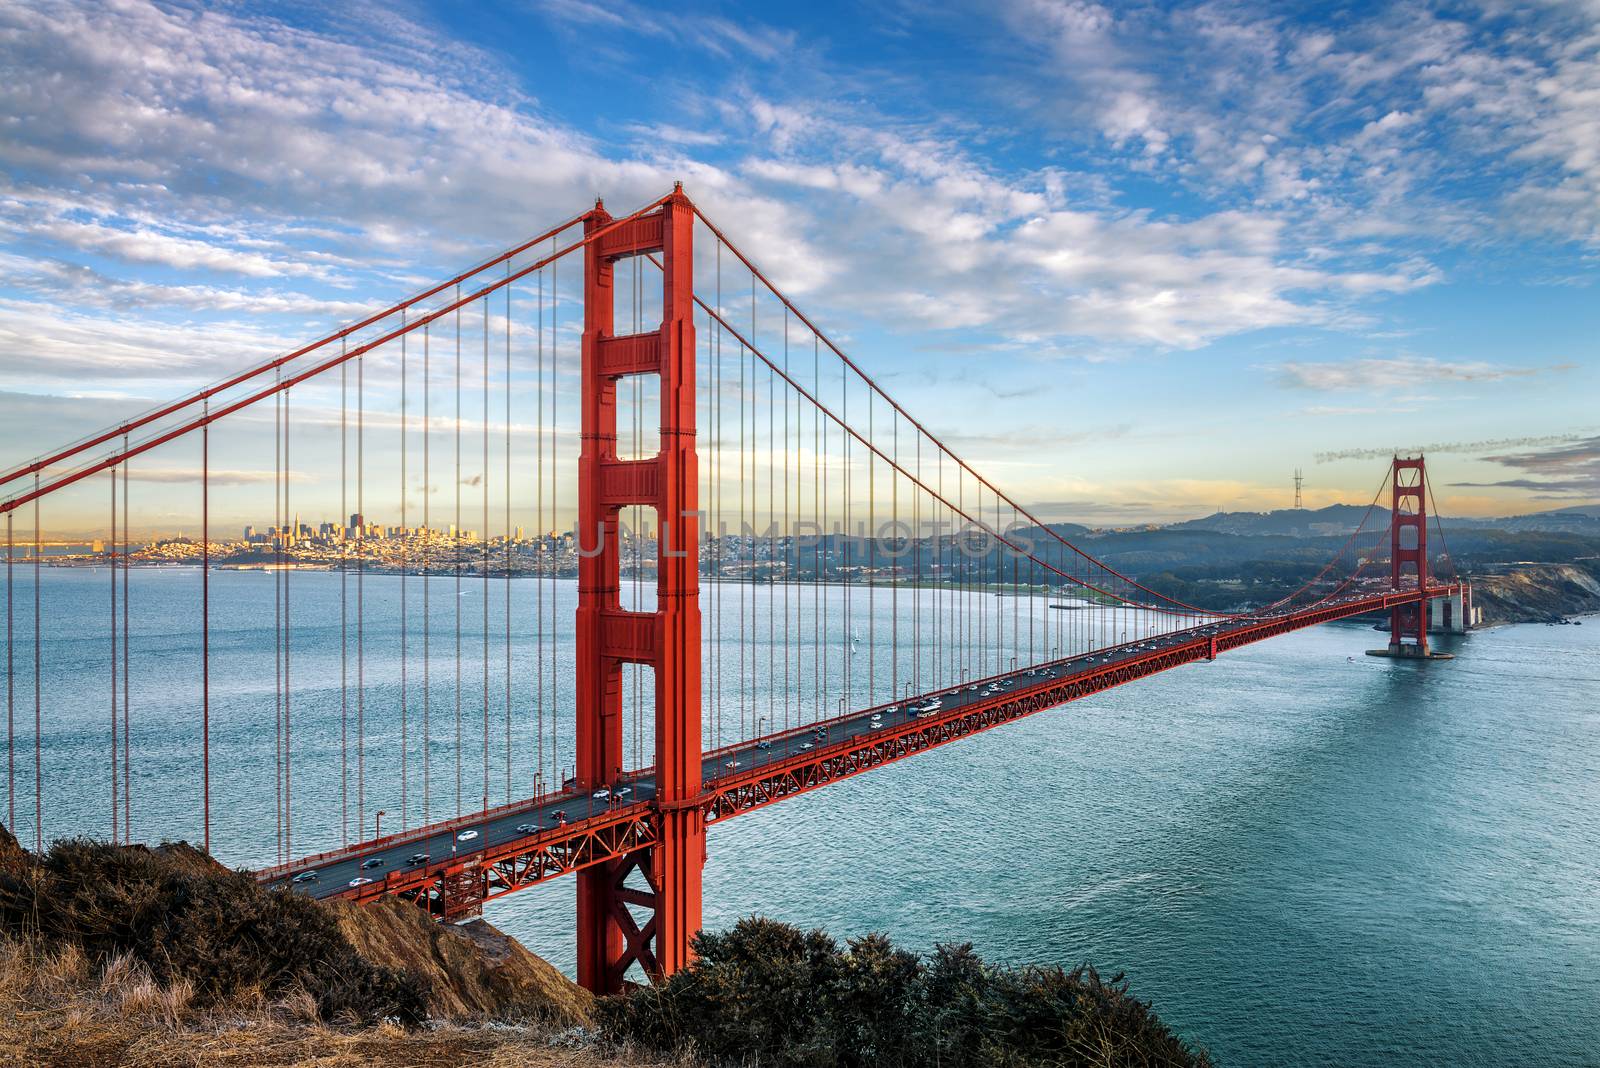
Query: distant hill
(1341, 519)
(1293, 522)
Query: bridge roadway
(456, 865)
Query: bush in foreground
(767, 993)
(198, 925)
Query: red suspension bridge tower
(1408, 556)
(667, 640)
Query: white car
(466, 836)
(602, 794)
(360, 880)
(526, 828)
(624, 791)
(806, 745)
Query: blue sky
(1135, 261)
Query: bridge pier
(1453, 614)
(610, 939)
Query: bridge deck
(456, 865)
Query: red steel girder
(746, 790)
(512, 866)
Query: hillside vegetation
(767, 993)
(123, 955)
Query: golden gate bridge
(783, 580)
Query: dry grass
(56, 1008)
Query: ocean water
(1300, 854)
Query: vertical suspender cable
(38, 696)
(288, 690)
(456, 553)
(744, 529)
(555, 496)
(111, 540)
(506, 536)
(713, 406)
(361, 601)
(639, 514)
(849, 620)
(820, 492)
(772, 552)
(714, 331)
(872, 558)
(818, 646)
(638, 538)
(205, 627)
(11, 670)
(277, 618)
(553, 599)
(127, 666)
(344, 599)
(789, 459)
(539, 531)
(405, 568)
(427, 575)
(483, 553)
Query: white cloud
(1393, 373)
(1463, 124)
(923, 231)
(46, 345)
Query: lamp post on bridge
(377, 824)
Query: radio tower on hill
(1299, 480)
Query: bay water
(1300, 854)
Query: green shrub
(216, 929)
(766, 993)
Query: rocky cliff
(1538, 593)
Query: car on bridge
(306, 877)
(372, 862)
(418, 858)
(466, 836)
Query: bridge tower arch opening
(611, 937)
